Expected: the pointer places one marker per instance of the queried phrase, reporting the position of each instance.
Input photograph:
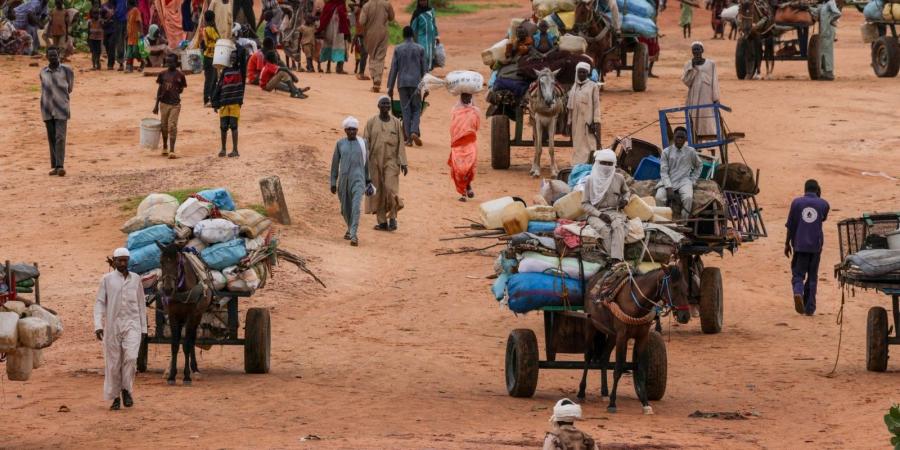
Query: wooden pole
(273, 198)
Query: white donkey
(546, 100)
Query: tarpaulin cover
(530, 291)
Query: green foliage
(258, 208)
(79, 27)
(892, 420)
(395, 33)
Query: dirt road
(404, 349)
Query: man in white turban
(564, 434)
(350, 176)
(387, 159)
(584, 114)
(605, 194)
(702, 80)
(120, 304)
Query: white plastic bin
(150, 133)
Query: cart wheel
(257, 340)
(876, 340)
(813, 58)
(521, 363)
(886, 57)
(740, 58)
(711, 300)
(657, 372)
(640, 68)
(142, 356)
(500, 142)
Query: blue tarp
(578, 172)
(225, 254)
(142, 238)
(144, 259)
(536, 227)
(219, 197)
(530, 291)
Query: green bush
(892, 420)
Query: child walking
(227, 100)
(95, 37)
(133, 28)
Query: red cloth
(464, 124)
(268, 71)
(335, 7)
(169, 12)
(255, 66)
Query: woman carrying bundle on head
(465, 120)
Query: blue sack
(225, 254)
(873, 11)
(538, 227)
(530, 291)
(219, 197)
(144, 259)
(636, 7)
(578, 172)
(142, 238)
(639, 25)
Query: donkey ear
(555, 72)
(537, 72)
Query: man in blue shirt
(805, 238)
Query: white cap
(350, 122)
(121, 251)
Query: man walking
(828, 15)
(373, 21)
(350, 176)
(407, 71)
(168, 102)
(679, 170)
(584, 114)
(57, 81)
(120, 304)
(387, 158)
(805, 239)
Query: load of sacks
(879, 10)
(552, 252)
(208, 224)
(25, 330)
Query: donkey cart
(220, 327)
(867, 233)
(765, 38)
(565, 331)
(885, 48)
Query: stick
(299, 262)
(467, 250)
(491, 233)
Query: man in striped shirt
(57, 81)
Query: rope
(840, 322)
(616, 311)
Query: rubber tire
(521, 363)
(888, 46)
(257, 340)
(142, 356)
(657, 371)
(499, 142)
(740, 60)
(877, 340)
(711, 310)
(640, 70)
(813, 58)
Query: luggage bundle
(638, 17)
(25, 330)
(550, 259)
(206, 223)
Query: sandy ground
(405, 349)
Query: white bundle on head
(566, 411)
(350, 122)
(457, 82)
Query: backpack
(572, 439)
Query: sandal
(347, 236)
(381, 227)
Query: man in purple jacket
(805, 238)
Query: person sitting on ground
(605, 195)
(12, 40)
(564, 434)
(159, 46)
(227, 100)
(544, 41)
(276, 77)
(258, 60)
(679, 170)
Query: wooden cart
(886, 49)
(858, 234)
(566, 330)
(7, 276)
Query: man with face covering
(679, 170)
(605, 194)
(387, 158)
(120, 304)
(584, 114)
(350, 176)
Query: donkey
(596, 30)
(185, 299)
(546, 100)
(623, 308)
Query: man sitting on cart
(679, 170)
(545, 42)
(605, 194)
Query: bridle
(663, 292)
(179, 295)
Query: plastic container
(647, 169)
(515, 218)
(19, 364)
(495, 53)
(34, 333)
(573, 44)
(492, 212)
(14, 306)
(541, 213)
(150, 133)
(893, 240)
(9, 335)
(191, 61)
(662, 211)
(569, 207)
(636, 207)
(222, 55)
(56, 326)
(37, 358)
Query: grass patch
(449, 8)
(395, 33)
(131, 204)
(258, 208)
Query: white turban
(569, 412)
(583, 65)
(606, 155)
(383, 97)
(350, 122)
(697, 43)
(121, 251)
(601, 176)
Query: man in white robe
(702, 80)
(584, 114)
(120, 304)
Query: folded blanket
(873, 263)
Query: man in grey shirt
(57, 81)
(679, 169)
(407, 71)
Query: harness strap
(617, 312)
